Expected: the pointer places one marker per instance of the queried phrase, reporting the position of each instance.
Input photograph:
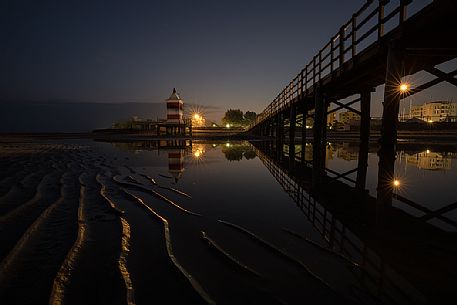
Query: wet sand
(81, 226)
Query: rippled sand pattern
(79, 227)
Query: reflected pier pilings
(391, 245)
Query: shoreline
(403, 136)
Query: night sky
(227, 54)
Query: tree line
(236, 117)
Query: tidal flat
(221, 222)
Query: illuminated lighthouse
(175, 108)
(175, 124)
(175, 114)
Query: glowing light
(198, 152)
(404, 87)
(227, 125)
(227, 144)
(198, 120)
(396, 183)
(428, 151)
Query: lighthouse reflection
(176, 163)
(183, 153)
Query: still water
(403, 254)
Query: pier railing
(365, 28)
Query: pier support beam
(276, 126)
(292, 123)
(292, 128)
(319, 139)
(280, 134)
(391, 106)
(280, 126)
(365, 101)
(304, 108)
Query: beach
(83, 224)
(167, 221)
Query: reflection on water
(400, 234)
(176, 162)
(178, 150)
(426, 159)
(198, 151)
(429, 160)
(346, 230)
(236, 152)
(342, 162)
(344, 151)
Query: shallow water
(181, 222)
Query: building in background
(348, 117)
(437, 111)
(331, 118)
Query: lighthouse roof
(174, 96)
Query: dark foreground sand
(79, 226)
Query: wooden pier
(359, 57)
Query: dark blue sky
(230, 54)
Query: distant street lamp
(198, 120)
(404, 87)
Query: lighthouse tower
(175, 107)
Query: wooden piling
(388, 139)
